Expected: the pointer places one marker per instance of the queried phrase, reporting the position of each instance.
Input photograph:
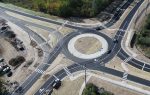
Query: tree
(9, 34)
(90, 90)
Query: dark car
(56, 84)
(109, 51)
(98, 28)
(9, 74)
(115, 41)
(19, 90)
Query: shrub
(90, 90)
(16, 61)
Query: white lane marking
(122, 29)
(143, 67)
(119, 35)
(55, 77)
(124, 66)
(128, 59)
(30, 81)
(67, 71)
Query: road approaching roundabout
(94, 61)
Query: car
(6, 68)
(56, 84)
(115, 41)
(98, 28)
(109, 51)
(19, 90)
(9, 74)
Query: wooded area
(143, 38)
(64, 8)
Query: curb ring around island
(72, 53)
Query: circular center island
(87, 46)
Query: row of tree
(64, 8)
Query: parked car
(109, 51)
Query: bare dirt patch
(88, 45)
(70, 87)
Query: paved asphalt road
(90, 64)
(77, 67)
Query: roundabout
(81, 46)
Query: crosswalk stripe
(125, 75)
(127, 59)
(67, 71)
(39, 71)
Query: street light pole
(85, 73)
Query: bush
(90, 90)
(10, 34)
(16, 61)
